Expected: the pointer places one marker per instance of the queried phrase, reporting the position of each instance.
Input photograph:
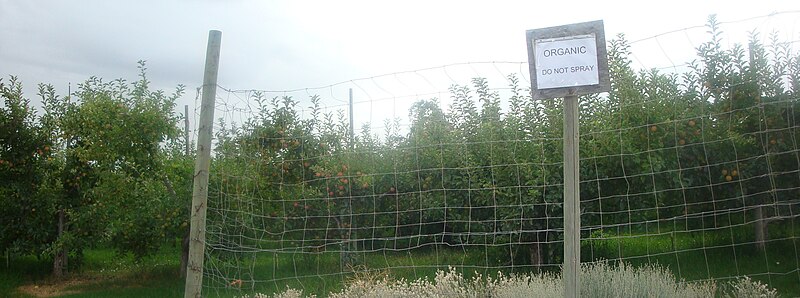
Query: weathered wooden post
(197, 234)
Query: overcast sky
(300, 44)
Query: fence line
(686, 169)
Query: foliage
(746, 287)
(25, 157)
(96, 161)
(112, 136)
(598, 280)
(713, 147)
(706, 148)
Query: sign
(568, 60)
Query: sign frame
(595, 28)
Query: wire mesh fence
(691, 162)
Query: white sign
(566, 61)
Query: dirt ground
(55, 288)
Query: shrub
(746, 287)
(602, 280)
(597, 280)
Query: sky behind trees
(280, 45)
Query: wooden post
(186, 129)
(185, 237)
(352, 129)
(550, 79)
(572, 219)
(760, 224)
(346, 258)
(197, 234)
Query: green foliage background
(101, 156)
(710, 150)
(705, 150)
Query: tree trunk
(60, 259)
(536, 254)
(761, 229)
(184, 253)
(185, 240)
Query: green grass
(103, 274)
(320, 273)
(21, 270)
(722, 254)
(691, 256)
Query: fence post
(186, 129)
(572, 213)
(197, 234)
(549, 80)
(352, 129)
(185, 238)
